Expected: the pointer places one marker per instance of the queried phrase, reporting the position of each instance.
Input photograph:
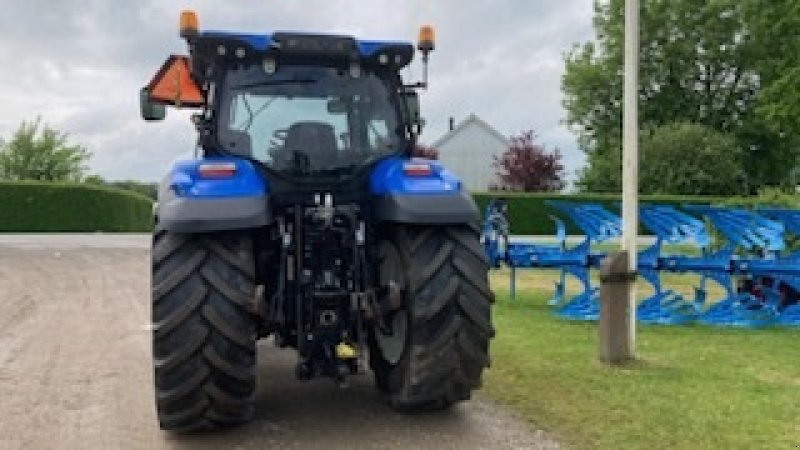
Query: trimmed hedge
(29, 206)
(63, 207)
(529, 214)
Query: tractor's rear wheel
(439, 342)
(204, 335)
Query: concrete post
(616, 344)
(512, 284)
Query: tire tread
(204, 334)
(450, 306)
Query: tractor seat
(315, 140)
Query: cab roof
(216, 47)
(261, 42)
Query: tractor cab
(306, 107)
(310, 120)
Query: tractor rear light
(417, 169)
(216, 170)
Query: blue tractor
(305, 218)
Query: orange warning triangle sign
(173, 84)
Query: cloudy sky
(79, 64)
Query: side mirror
(412, 106)
(150, 110)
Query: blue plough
(673, 227)
(753, 252)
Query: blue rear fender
(419, 191)
(189, 201)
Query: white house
(468, 150)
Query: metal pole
(630, 156)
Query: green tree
(38, 152)
(690, 159)
(604, 171)
(700, 63)
(96, 180)
(774, 26)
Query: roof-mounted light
(270, 65)
(188, 24)
(426, 43)
(300, 45)
(427, 39)
(355, 69)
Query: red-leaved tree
(527, 166)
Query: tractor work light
(270, 66)
(188, 23)
(355, 69)
(427, 39)
(216, 170)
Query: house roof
(472, 119)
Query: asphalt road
(75, 369)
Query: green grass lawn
(692, 386)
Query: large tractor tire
(204, 332)
(438, 344)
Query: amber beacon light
(427, 38)
(188, 23)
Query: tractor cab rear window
(306, 120)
